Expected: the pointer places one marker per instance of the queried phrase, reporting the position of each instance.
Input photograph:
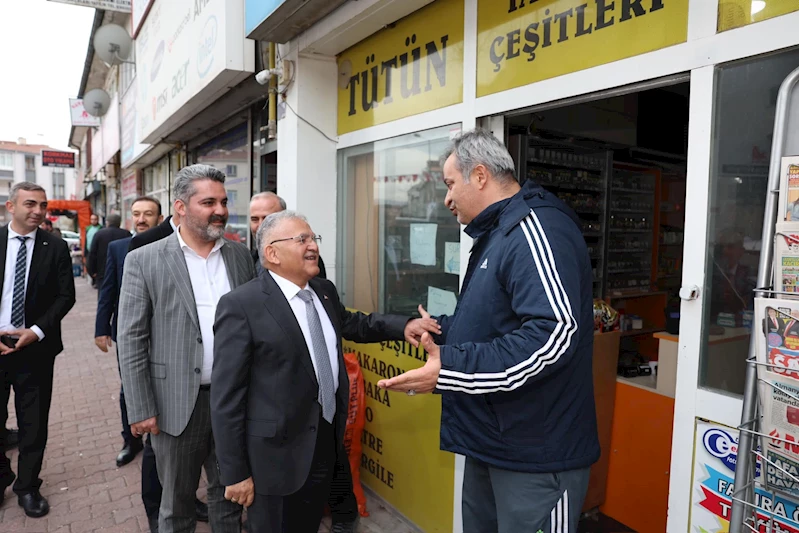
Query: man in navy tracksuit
(513, 364)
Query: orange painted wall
(638, 475)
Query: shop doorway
(619, 161)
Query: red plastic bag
(356, 417)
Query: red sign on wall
(53, 158)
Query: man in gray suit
(168, 300)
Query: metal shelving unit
(579, 176)
(632, 211)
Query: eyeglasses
(301, 239)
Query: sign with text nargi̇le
(401, 459)
(524, 41)
(414, 66)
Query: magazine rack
(746, 513)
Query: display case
(632, 227)
(577, 175)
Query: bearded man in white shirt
(168, 300)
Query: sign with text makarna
(410, 67)
(525, 41)
(400, 459)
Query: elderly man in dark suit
(280, 389)
(38, 291)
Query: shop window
(399, 245)
(231, 151)
(264, 150)
(156, 183)
(743, 121)
(58, 185)
(736, 13)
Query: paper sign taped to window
(452, 257)
(423, 244)
(440, 302)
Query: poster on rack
(789, 189)
(777, 331)
(712, 487)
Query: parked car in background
(72, 238)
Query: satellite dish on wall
(344, 74)
(96, 102)
(112, 44)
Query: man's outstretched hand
(416, 327)
(421, 380)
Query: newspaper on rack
(777, 330)
(786, 259)
(789, 189)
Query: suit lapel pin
(44, 243)
(325, 296)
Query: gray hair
(269, 194)
(481, 147)
(269, 225)
(23, 186)
(185, 178)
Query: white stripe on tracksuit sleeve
(544, 286)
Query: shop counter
(640, 442)
(724, 360)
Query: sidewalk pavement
(86, 490)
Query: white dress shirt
(210, 282)
(290, 291)
(12, 249)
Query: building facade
(652, 118)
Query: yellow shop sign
(524, 41)
(410, 67)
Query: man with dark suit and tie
(146, 213)
(280, 389)
(774, 322)
(38, 291)
(170, 290)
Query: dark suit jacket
(264, 408)
(50, 293)
(105, 322)
(99, 252)
(162, 230)
(259, 268)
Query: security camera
(282, 73)
(264, 76)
